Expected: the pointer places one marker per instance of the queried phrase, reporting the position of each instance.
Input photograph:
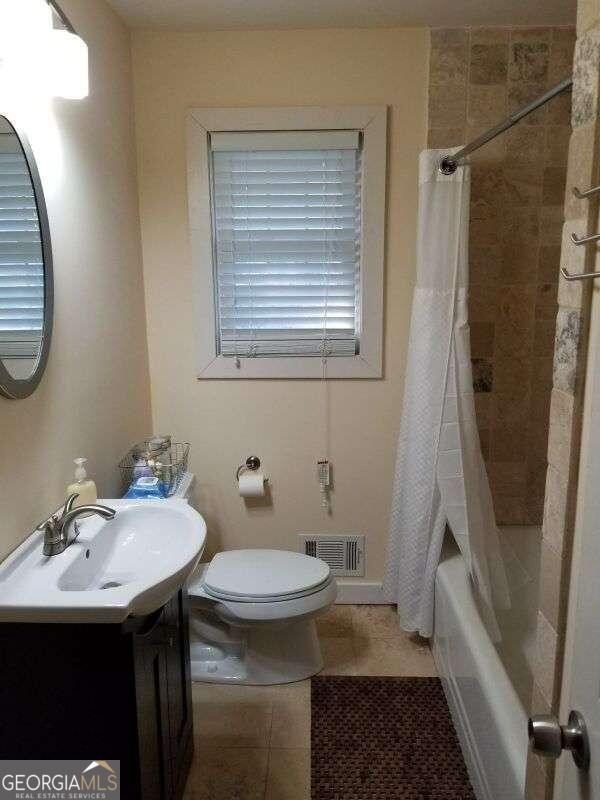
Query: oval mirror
(26, 287)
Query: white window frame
(372, 122)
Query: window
(286, 217)
(286, 230)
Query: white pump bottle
(83, 486)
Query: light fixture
(68, 59)
(68, 64)
(24, 24)
(38, 57)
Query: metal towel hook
(584, 239)
(584, 195)
(580, 276)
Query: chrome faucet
(56, 527)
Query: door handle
(549, 739)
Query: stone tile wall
(477, 77)
(581, 216)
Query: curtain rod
(448, 164)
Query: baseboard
(360, 592)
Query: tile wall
(572, 325)
(477, 77)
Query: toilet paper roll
(252, 484)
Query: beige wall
(94, 398)
(281, 421)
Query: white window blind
(287, 234)
(21, 261)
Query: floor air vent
(344, 554)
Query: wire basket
(169, 472)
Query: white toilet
(252, 616)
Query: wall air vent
(345, 554)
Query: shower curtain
(440, 476)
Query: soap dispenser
(83, 486)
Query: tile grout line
(272, 704)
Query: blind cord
(324, 466)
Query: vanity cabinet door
(179, 689)
(151, 677)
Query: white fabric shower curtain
(440, 476)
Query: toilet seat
(264, 576)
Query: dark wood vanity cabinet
(103, 691)
(164, 700)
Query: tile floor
(253, 742)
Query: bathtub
(488, 684)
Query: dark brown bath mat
(384, 739)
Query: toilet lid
(260, 575)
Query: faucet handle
(46, 524)
(53, 538)
(58, 513)
(51, 529)
(50, 521)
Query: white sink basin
(128, 566)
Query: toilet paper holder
(252, 463)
